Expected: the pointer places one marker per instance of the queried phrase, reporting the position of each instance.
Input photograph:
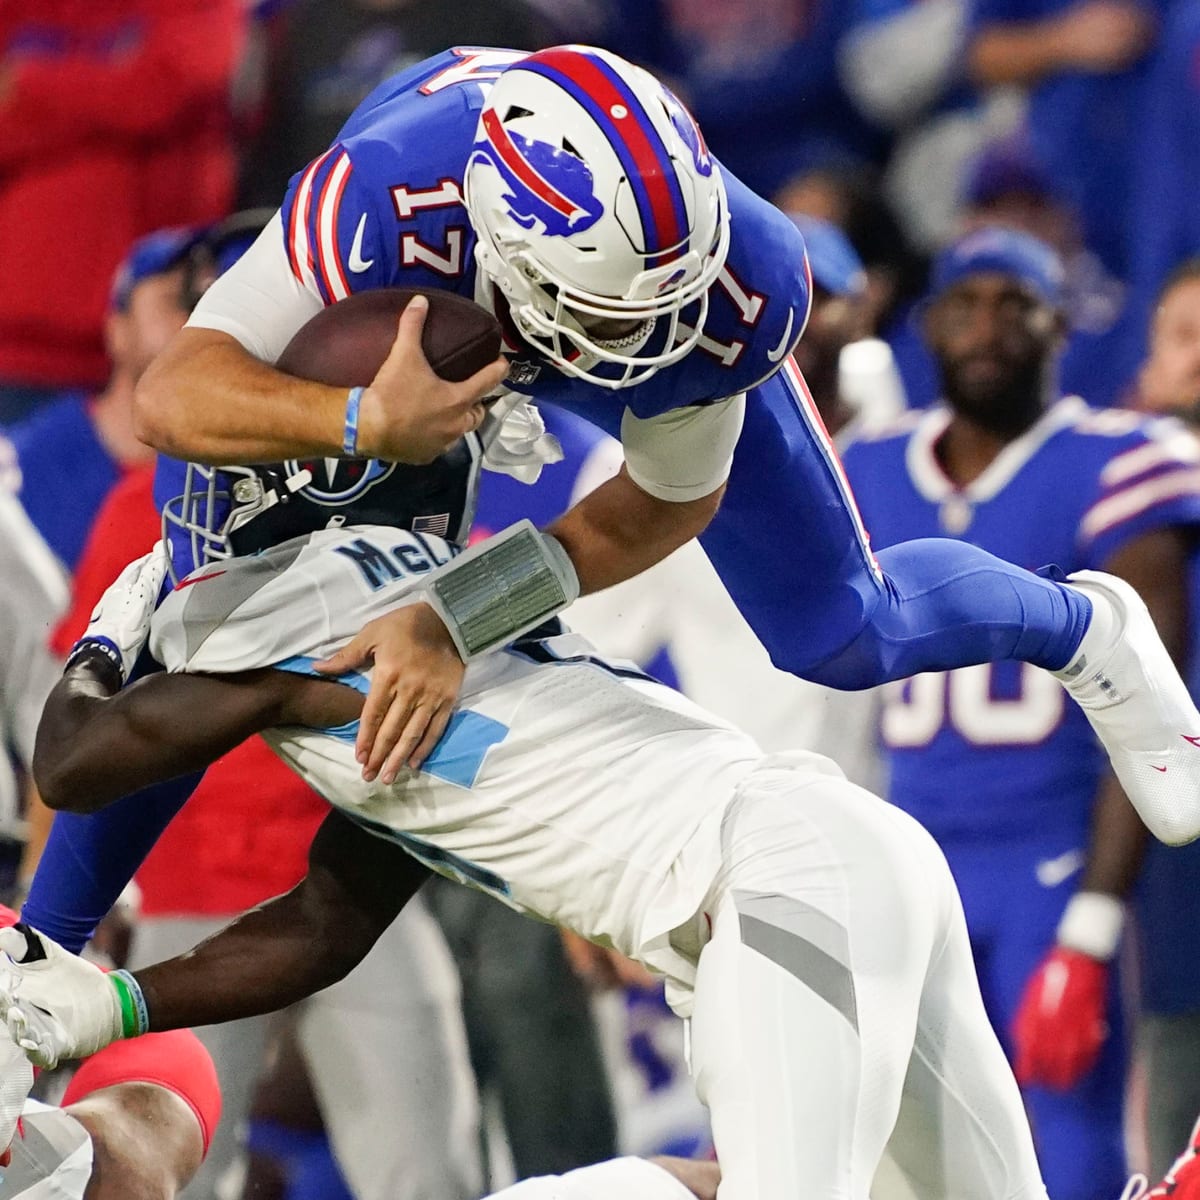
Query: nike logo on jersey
(198, 579)
(1050, 872)
(785, 342)
(356, 262)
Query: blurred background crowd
(144, 142)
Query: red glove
(1060, 1025)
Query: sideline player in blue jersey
(990, 759)
(649, 291)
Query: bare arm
(619, 530)
(96, 744)
(207, 399)
(294, 945)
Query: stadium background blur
(903, 122)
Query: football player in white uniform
(811, 934)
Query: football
(345, 344)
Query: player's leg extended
(789, 545)
(809, 994)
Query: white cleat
(1124, 680)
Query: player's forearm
(618, 531)
(206, 399)
(96, 744)
(272, 956)
(294, 945)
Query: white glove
(120, 623)
(56, 1005)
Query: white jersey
(51, 1159)
(567, 785)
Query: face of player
(156, 314)
(995, 342)
(1170, 379)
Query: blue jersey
(998, 749)
(65, 472)
(383, 208)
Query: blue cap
(835, 264)
(155, 254)
(1008, 165)
(995, 248)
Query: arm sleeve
(325, 243)
(176, 1060)
(683, 454)
(259, 301)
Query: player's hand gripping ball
(426, 360)
(345, 344)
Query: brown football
(345, 344)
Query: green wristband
(135, 1016)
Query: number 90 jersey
(383, 207)
(999, 749)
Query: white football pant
(836, 1010)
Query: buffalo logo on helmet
(685, 125)
(546, 185)
(338, 481)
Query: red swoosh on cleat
(200, 579)
(1162, 769)
(1194, 740)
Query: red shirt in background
(115, 120)
(244, 836)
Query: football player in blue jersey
(646, 289)
(1005, 774)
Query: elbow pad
(501, 588)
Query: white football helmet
(594, 198)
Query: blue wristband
(350, 429)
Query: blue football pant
(789, 545)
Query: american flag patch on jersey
(435, 525)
